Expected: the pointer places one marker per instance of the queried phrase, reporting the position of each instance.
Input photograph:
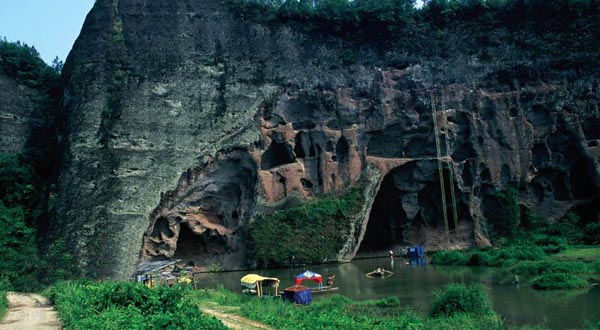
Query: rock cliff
(185, 120)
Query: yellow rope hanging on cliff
(439, 159)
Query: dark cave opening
(193, 247)
(342, 150)
(389, 224)
(161, 227)
(387, 219)
(277, 154)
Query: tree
(57, 64)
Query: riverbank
(339, 312)
(544, 267)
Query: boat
(259, 285)
(324, 289)
(379, 272)
(321, 289)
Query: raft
(382, 273)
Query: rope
(439, 159)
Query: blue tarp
(416, 251)
(298, 294)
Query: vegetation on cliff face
(311, 233)
(30, 258)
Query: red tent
(308, 275)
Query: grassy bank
(455, 307)
(571, 268)
(127, 305)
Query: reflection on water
(414, 283)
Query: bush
(453, 257)
(558, 281)
(535, 268)
(522, 252)
(19, 251)
(3, 304)
(480, 259)
(127, 305)
(458, 298)
(549, 244)
(591, 233)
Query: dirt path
(28, 311)
(224, 313)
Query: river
(414, 286)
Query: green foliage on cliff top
(391, 16)
(559, 32)
(311, 233)
(127, 305)
(23, 63)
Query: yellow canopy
(251, 279)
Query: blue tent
(298, 294)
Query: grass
(585, 254)
(3, 304)
(339, 312)
(571, 268)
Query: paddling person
(330, 280)
(391, 254)
(379, 270)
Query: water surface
(414, 286)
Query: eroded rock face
(18, 116)
(202, 221)
(179, 135)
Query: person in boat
(391, 254)
(330, 279)
(379, 270)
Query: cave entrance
(387, 221)
(192, 248)
(409, 210)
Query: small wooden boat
(379, 273)
(324, 289)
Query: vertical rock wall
(184, 120)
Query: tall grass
(537, 262)
(126, 305)
(339, 312)
(559, 281)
